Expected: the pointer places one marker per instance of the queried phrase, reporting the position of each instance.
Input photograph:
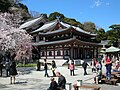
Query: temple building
(59, 40)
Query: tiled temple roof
(46, 26)
(51, 25)
(31, 22)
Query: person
(7, 67)
(71, 67)
(38, 65)
(53, 68)
(1, 67)
(93, 64)
(108, 65)
(45, 68)
(61, 80)
(68, 62)
(53, 85)
(98, 77)
(13, 72)
(84, 65)
(1, 64)
(117, 67)
(98, 66)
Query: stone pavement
(30, 79)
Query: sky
(101, 12)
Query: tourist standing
(68, 62)
(13, 72)
(53, 68)
(1, 66)
(93, 64)
(7, 67)
(45, 68)
(108, 65)
(84, 65)
(61, 80)
(71, 67)
(38, 65)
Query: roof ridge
(41, 15)
(51, 21)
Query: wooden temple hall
(59, 40)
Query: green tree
(101, 35)
(115, 27)
(114, 34)
(73, 22)
(4, 5)
(56, 15)
(89, 26)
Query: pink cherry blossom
(13, 38)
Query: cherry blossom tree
(12, 38)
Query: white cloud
(107, 4)
(81, 12)
(99, 3)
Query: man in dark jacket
(61, 80)
(84, 65)
(53, 68)
(45, 68)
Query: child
(71, 67)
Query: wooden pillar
(63, 50)
(39, 48)
(93, 52)
(96, 52)
(78, 52)
(71, 51)
(54, 51)
(83, 53)
(46, 51)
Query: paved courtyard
(30, 79)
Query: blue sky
(102, 12)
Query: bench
(93, 87)
(118, 77)
(111, 81)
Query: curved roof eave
(46, 26)
(31, 22)
(78, 29)
(55, 32)
(72, 40)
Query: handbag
(53, 69)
